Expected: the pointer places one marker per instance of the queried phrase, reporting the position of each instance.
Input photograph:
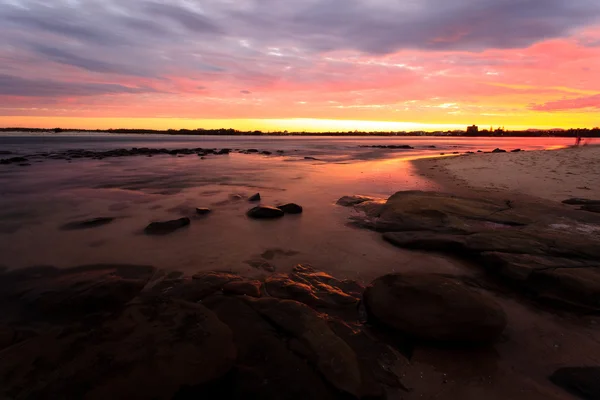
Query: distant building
(473, 130)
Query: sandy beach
(553, 175)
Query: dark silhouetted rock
(87, 224)
(291, 208)
(336, 361)
(265, 212)
(348, 201)
(162, 346)
(166, 227)
(516, 151)
(498, 151)
(248, 288)
(434, 307)
(266, 153)
(583, 382)
(13, 160)
(254, 197)
(252, 151)
(591, 208)
(311, 158)
(582, 202)
(203, 211)
(224, 151)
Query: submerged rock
(265, 212)
(203, 211)
(434, 307)
(591, 208)
(582, 202)
(87, 224)
(166, 227)
(291, 208)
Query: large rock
(434, 307)
(152, 350)
(291, 208)
(348, 201)
(333, 357)
(583, 382)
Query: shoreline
(543, 175)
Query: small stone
(166, 227)
(203, 211)
(497, 150)
(516, 151)
(254, 197)
(291, 208)
(265, 212)
(87, 224)
(310, 158)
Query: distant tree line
(471, 131)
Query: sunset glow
(307, 66)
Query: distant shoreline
(586, 133)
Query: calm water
(36, 200)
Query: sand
(553, 175)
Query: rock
(348, 201)
(265, 212)
(591, 208)
(203, 211)
(247, 288)
(583, 382)
(310, 158)
(280, 151)
(498, 151)
(434, 308)
(166, 227)
(201, 285)
(582, 202)
(87, 224)
(333, 357)
(516, 151)
(224, 151)
(254, 197)
(291, 208)
(150, 350)
(266, 367)
(252, 151)
(313, 289)
(261, 264)
(266, 153)
(13, 160)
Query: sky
(300, 65)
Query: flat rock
(166, 227)
(203, 211)
(434, 307)
(291, 208)
(581, 202)
(265, 212)
(348, 201)
(87, 224)
(591, 208)
(583, 382)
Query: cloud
(15, 86)
(592, 102)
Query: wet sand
(553, 175)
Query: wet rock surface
(435, 308)
(203, 211)
(114, 331)
(544, 251)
